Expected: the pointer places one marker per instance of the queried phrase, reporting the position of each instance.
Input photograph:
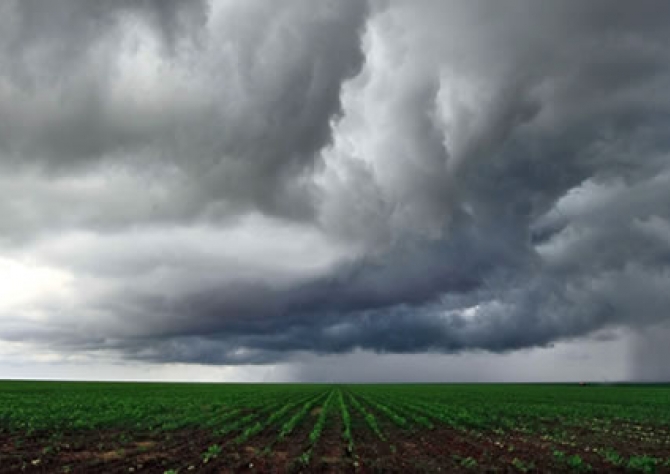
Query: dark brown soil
(413, 450)
(330, 454)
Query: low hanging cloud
(238, 182)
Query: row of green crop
(237, 413)
(346, 423)
(33, 406)
(315, 434)
(277, 415)
(29, 407)
(409, 412)
(565, 403)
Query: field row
(181, 428)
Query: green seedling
(212, 452)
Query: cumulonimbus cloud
(231, 182)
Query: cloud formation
(237, 182)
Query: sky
(335, 190)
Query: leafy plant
(212, 452)
(613, 457)
(522, 466)
(576, 463)
(469, 462)
(397, 419)
(369, 417)
(321, 421)
(305, 457)
(645, 464)
(295, 419)
(346, 421)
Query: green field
(157, 427)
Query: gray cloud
(219, 108)
(235, 183)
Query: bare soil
(414, 450)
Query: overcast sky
(335, 190)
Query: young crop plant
(369, 417)
(249, 432)
(613, 457)
(217, 420)
(249, 423)
(293, 421)
(393, 416)
(45, 426)
(346, 421)
(425, 410)
(469, 463)
(315, 434)
(236, 425)
(290, 425)
(523, 466)
(409, 412)
(259, 426)
(560, 456)
(458, 418)
(646, 464)
(421, 420)
(576, 463)
(212, 452)
(305, 457)
(321, 421)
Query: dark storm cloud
(221, 107)
(472, 176)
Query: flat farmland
(167, 428)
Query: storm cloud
(228, 182)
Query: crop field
(168, 428)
